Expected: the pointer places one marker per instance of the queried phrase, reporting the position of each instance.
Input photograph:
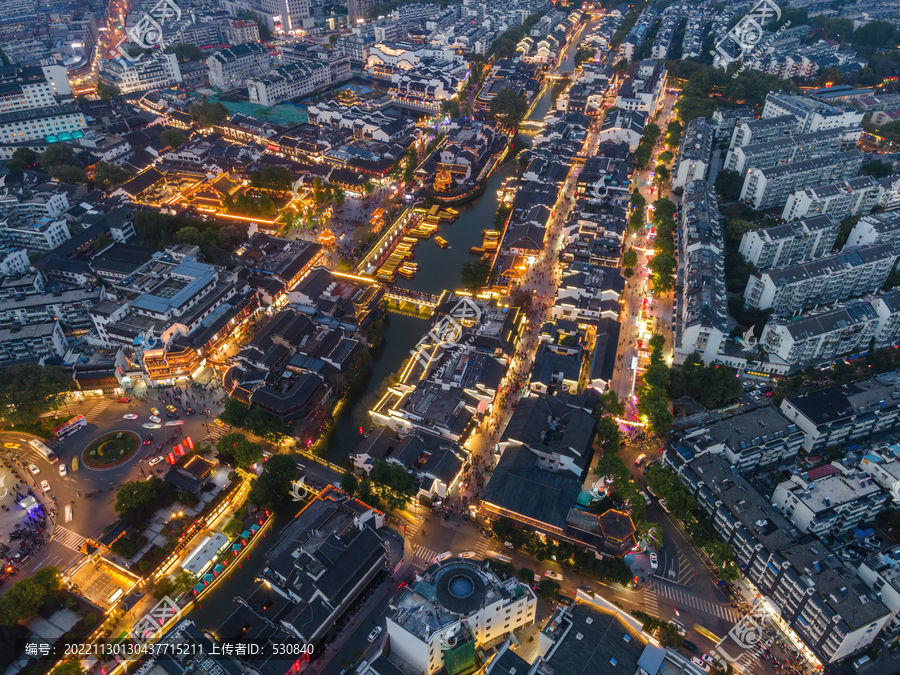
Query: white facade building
(789, 243)
(811, 114)
(857, 196)
(233, 67)
(882, 228)
(692, 161)
(160, 70)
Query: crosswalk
(423, 556)
(686, 599)
(94, 412)
(651, 600)
(67, 538)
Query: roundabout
(111, 450)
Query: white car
(556, 576)
(68, 512)
(662, 503)
(151, 425)
(646, 496)
(154, 418)
(156, 460)
(63, 470)
(441, 556)
(130, 416)
(377, 631)
(700, 664)
(467, 554)
(654, 561)
(45, 486)
(33, 469)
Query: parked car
(654, 561)
(687, 644)
(375, 633)
(701, 664)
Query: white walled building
(623, 126)
(13, 260)
(791, 148)
(233, 67)
(820, 337)
(849, 274)
(811, 114)
(160, 70)
(456, 605)
(38, 123)
(754, 131)
(287, 82)
(692, 161)
(882, 228)
(642, 87)
(37, 341)
(857, 196)
(770, 187)
(789, 243)
(832, 504)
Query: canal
(438, 270)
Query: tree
(102, 242)
(55, 155)
(172, 138)
(138, 495)
(549, 589)
(28, 391)
(661, 175)
(608, 435)
(673, 134)
(278, 473)
(208, 113)
(877, 169)
(450, 107)
(475, 273)
(234, 413)
(508, 108)
(73, 175)
(68, 668)
(349, 482)
(22, 159)
(28, 595)
(332, 41)
(107, 175)
(728, 185)
(265, 425)
(666, 156)
(612, 468)
(239, 450)
(185, 52)
(393, 483)
(106, 90)
(629, 258)
(663, 266)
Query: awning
(245, 534)
(236, 547)
(207, 578)
(199, 586)
(254, 528)
(218, 569)
(28, 503)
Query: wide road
(90, 516)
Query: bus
(70, 427)
(43, 449)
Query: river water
(438, 270)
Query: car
(149, 439)
(154, 411)
(171, 408)
(12, 446)
(189, 411)
(468, 554)
(156, 460)
(154, 418)
(63, 470)
(654, 561)
(176, 423)
(172, 415)
(130, 416)
(556, 576)
(45, 486)
(374, 634)
(645, 496)
(151, 425)
(92, 494)
(219, 422)
(708, 659)
(700, 664)
(123, 399)
(442, 556)
(33, 469)
(679, 627)
(662, 503)
(687, 644)
(508, 544)
(68, 512)
(769, 394)
(640, 459)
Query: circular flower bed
(111, 449)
